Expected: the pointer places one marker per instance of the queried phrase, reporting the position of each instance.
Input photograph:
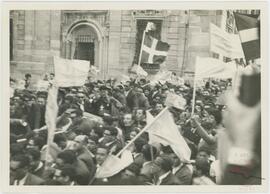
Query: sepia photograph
(135, 97)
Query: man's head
(51, 76)
(61, 140)
(41, 101)
(19, 166)
(128, 120)
(80, 142)
(132, 171)
(202, 167)
(102, 153)
(140, 114)
(27, 76)
(203, 154)
(162, 165)
(103, 91)
(80, 97)
(76, 115)
(34, 156)
(158, 106)
(65, 157)
(65, 175)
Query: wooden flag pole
(141, 132)
(140, 56)
(193, 96)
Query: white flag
(112, 165)
(50, 118)
(174, 100)
(214, 68)
(164, 131)
(70, 72)
(139, 70)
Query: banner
(214, 68)
(70, 72)
(225, 44)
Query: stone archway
(95, 31)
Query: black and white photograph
(135, 97)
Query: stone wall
(39, 35)
(36, 39)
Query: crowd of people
(98, 119)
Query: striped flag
(249, 32)
(154, 51)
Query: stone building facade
(108, 39)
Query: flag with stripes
(154, 51)
(249, 32)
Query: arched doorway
(84, 40)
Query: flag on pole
(112, 165)
(70, 72)
(153, 50)
(249, 32)
(50, 119)
(213, 68)
(165, 131)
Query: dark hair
(59, 137)
(166, 163)
(23, 159)
(68, 170)
(28, 75)
(113, 131)
(139, 143)
(68, 156)
(203, 165)
(218, 116)
(34, 153)
(146, 151)
(135, 168)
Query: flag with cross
(153, 51)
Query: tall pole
(193, 96)
(185, 43)
(140, 56)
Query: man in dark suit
(19, 172)
(36, 165)
(82, 175)
(162, 169)
(65, 175)
(181, 170)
